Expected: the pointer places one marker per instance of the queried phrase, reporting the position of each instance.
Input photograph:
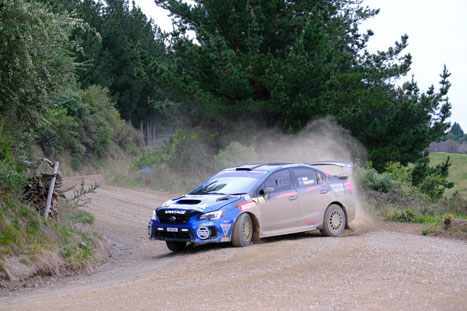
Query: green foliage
(374, 180)
(234, 154)
(148, 159)
(82, 217)
(457, 132)
(457, 170)
(188, 152)
(431, 180)
(184, 160)
(398, 172)
(119, 40)
(86, 122)
(27, 234)
(11, 176)
(35, 63)
(404, 216)
(288, 63)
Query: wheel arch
(256, 225)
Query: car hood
(202, 203)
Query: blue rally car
(246, 203)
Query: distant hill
(449, 146)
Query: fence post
(51, 191)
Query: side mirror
(269, 190)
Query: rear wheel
(175, 246)
(242, 232)
(334, 221)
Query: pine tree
(287, 63)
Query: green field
(457, 171)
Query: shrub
(188, 152)
(148, 159)
(374, 180)
(234, 154)
(86, 122)
(431, 180)
(399, 173)
(11, 176)
(404, 216)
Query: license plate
(172, 229)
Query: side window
(321, 177)
(279, 180)
(305, 177)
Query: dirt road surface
(362, 270)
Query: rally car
(246, 203)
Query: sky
(437, 33)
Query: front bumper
(196, 231)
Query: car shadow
(192, 248)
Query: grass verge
(32, 246)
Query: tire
(242, 232)
(334, 221)
(175, 246)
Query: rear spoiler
(346, 167)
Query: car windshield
(229, 183)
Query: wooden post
(51, 191)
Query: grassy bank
(391, 196)
(32, 246)
(457, 171)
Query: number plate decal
(172, 229)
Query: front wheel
(242, 232)
(175, 246)
(334, 221)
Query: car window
(237, 182)
(279, 180)
(321, 177)
(305, 177)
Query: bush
(234, 154)
(86, 122)
(404, 216)
(374, 180)
(431, 180)
(184, 160)
(188, 152)
(11, 176)
(148, 159)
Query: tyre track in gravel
(362, 270)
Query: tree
(457, 131)
(113, 58)
(287, 63)
(36, 63)
(35, 60)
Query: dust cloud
(321, 140)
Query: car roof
(269, 167)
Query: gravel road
(362, 270)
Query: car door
(280, 210)
(313, 195)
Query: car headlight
(154, 215)
(212, 215)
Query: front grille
(166, 217)
(186, 236)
